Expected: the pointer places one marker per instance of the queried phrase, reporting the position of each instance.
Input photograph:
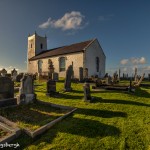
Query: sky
(122, 28)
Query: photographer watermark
(9, 145)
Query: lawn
(32, 116)
(115, 120)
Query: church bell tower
(36, 44)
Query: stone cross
(87, 92)
(67, 84)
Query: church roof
(73, 48)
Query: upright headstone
(26, 91)
(87, 92)
(119, 74)
(135, 75)
(149, 77)
(7, 92)
(51, 88)
(14, 75)
(67, 84)
(19, 77)
(80, 74)
(51, 70)
(3, 72)
(55, 76)
(13, 71)
(86, 73)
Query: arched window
(97, 64)
(41, 46)
(40, 66)
(49, 61)
(62, 64)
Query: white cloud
(73, 20)
(124, 61)
(133, 61)
(141, 60)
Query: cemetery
(34, 106)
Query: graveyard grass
(32, 116)
(115, 120)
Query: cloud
(124, 61)
(73, 20)
(133, 61)
(141, 60)
(105, 17)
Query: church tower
(36, 44)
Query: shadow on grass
(33, 115)
(101, 113)
(120, 102)
(66, 96)
(142, 93)
(74, 126)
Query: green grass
(32, 116)
(114, 121)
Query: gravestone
(51, 88)
(80, 74)
(7, 92)
(55, 76)
(86, 74)
(67, 84)
(26, 91)
(51, 70)
(19, 77)
(87, 92)
(149, 77)
(14, 75)
(13, 71)
(3, 72)
(135, 75)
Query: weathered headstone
(51, 70)
(3, 72)
(26, 91)
(7, 92)
(51, 88)
(80, 74)
(14, 75)
(19, 77)
(67, 84)
(149, 77)
(55, 76)
(87, 92)
(86, 73)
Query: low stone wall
(9, 127)
(14, 131)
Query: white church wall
(76, 58)
(93, 51)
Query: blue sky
(121, 26)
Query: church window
(40, 66)
(41, 46)
(97, 64)
(49, 61)
(62, 64)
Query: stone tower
(36, 44)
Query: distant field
(114, 121)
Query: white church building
(88, 55)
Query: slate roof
(73, 48)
